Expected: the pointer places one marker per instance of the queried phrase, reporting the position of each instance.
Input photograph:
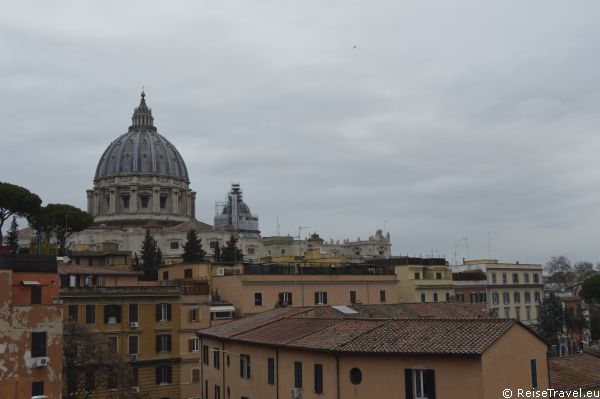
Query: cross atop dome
(142, 116)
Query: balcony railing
(274, 269)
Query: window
(318, 378)
(527, 297)
(245, 366)
(258, 299)
(534, 380)
(217, 392)
(135, 377)
(90, 381)
(506, 313)
(528, 312)
(90, 314)
(194, 315)
(282, 251)
(537, 296)
(194, 345)
(482, 297)
(112, 314)
(165, 275)
(163, 375)
(216, 358)
(112, 381)
(504, 278)
(221, 315)
(423, 297)
(187, 273)
(506, 298)
(381, 295)
(517, 297)
(133, 344)
(518, 313)
(271, 371)
(536, 278)
(419, 384)
(297, 374)
(195, 376)
(206, 389)
(493, 278)
(355, 376)
(144, 200)
(36, 294)
(251, 250)
(447, 296)
(125, 201)
(285, 298)
(174, 245)
(163, 312)
(515, 278)
(320, 298)
(163, 343)
(417, 275)
(37, 388)
(438, 275)
(459, 297)
(73, 311)
(473, 297)
(133, 313)
(435, 297)
(526, 278)
(205, 354)
(495, 298)
(352, 296)
(163, 202)
(112, 343)
(38, 344)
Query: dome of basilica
(141, 151)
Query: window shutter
(168, 311)
(318, 378)
(158, 312)
(106, 313)
(280, 297)
(241, 367)
(118, 313)
(169, 343)
(325, 298)
(170, 375)
(191, 345)
(429, 383)
(408, 383)
(158, 343)
(158, 375)
(289, 298)
(192, 318)
(316, 298)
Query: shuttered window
(318, 378)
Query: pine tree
(13, 237)
(135, 263)
(231, 253)
(192, 249)
(150, 256)
(216, 251)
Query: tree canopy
(231, 253)
(65, 220)
(151, 256)
(550, 320)
(12, 238)
(192, 249)
(590, 290)
(18, 201)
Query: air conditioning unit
(40, 361)
(220, 271)
(134, 324)
(39, 397)
(112, 320)
(135, 389)
(133, 357)
(296, 393)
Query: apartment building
(512, 290)
(151, 324)
(30, 328)
(371, 351)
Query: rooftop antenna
(300, 228)
(455, 251)
(384, 225)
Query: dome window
(145, 199)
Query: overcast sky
(449, 119)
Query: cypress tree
(192, 249)
(231, 253)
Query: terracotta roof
(94, 270)
(575, 371)
(407, 328)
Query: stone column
(188, 200)
(133, 199)
(193, 205)
(90, 202)
(155, 199)
(174, 201)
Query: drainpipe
(337, 367)
(223, 367)
(201, 365)
(277, 373)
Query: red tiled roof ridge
(358, 336)
(274, 320)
